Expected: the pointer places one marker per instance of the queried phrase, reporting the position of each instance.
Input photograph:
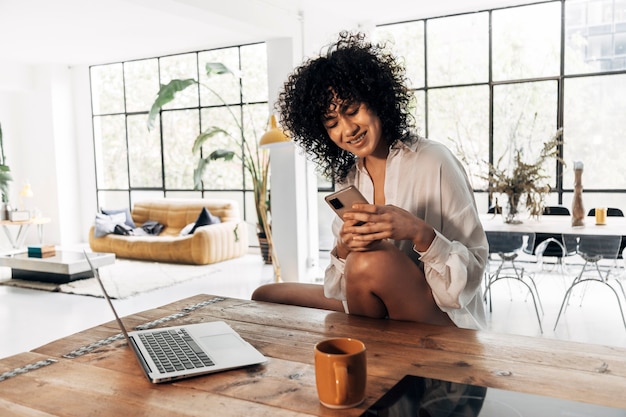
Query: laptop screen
(416, 396)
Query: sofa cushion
(128, 217)
(205, 218)
(152, 227)
(177, 213)
(105, 224)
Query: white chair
(599, 254)
(554, 248)
(550, 247)
(508, 246)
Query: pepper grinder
(578, 211)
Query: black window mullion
(426, 87)
(560, 108)
(491, 87)
(126, 132)
(161, 141)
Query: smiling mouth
(358, 139)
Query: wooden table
(23, 226)
(108, 381)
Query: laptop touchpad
(221, 341)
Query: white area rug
(124, 279)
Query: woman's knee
(370, 265)
(267, 292)
(362, 262)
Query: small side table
(17, 241)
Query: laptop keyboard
(174, 350)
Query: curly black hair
(357, 71)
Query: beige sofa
(208, 244)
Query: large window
(133, 162)
(493, 81)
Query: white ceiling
(75, 32)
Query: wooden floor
(37, 317)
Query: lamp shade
(26, 191)
(274, 135)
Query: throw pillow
(204, 219)
(128, 217)
(187, 229)
(105, 224)
(152, 227)
(123, 229)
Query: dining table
(555, 225)
(94, 373)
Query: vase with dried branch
(524, 181)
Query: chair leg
(621, 287)
(532, 281)
(530, 290)
(487, 294)
(565, 302)
(568, 293)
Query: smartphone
(342, 200)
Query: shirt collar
(394, 149)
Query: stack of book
(41, 251)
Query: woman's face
(355, 128)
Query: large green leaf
(224, 154)
(5, 179)
(2, 158)
(204, 136)
(166, 94)
(216, 68)
(198, 172)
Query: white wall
(86, 185)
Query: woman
(421, 251)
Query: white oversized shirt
(424, 178)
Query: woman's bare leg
(379, 283)
(294, 293)
(384, 282)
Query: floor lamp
(275, 136)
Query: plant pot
(266, 250)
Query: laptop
(204, 348)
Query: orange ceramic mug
(340, 372)
(601, 215)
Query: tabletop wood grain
(108, 381)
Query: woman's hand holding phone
(342, 202)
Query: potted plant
(254, 159)
(5, 177)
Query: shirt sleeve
(334, 286)
(455, 261)
(446, 266)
